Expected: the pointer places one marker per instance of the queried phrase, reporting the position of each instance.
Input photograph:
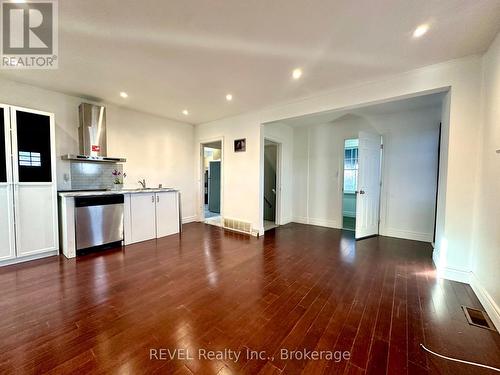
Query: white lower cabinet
(151, 215)
(142, 217)
(36, 219)
(167, 214)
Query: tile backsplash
(90, 175)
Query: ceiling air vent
(478, 318)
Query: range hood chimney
(92, 135)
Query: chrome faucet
(143, 183)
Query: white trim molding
(318, 222)
(406, 234)
(490, 306)
(190, 219)
(29, 258)
(449, 273)
(300, 220)
(468, 277)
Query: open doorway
(350, 186)
(271, 165)
(392, 168)
(211, 182)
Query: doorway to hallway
(211, 182)
(350, 186)
(271, 165)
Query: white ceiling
(177, 54)
(401, 105)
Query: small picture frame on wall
(240, 145)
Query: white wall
(240, 170)
(157, 149)
(319, 166)
(409, 171)
(486, 240)
(461, 76)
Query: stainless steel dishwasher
(99, 220)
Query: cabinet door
(142, 217)
(167, 214)
(7, 249)
(33, 153)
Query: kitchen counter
(111, 192)
(147, 214)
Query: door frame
(9, 184)
(342, 186)
(201, 177)
(356, 194)
(279, 179)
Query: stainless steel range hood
(92, 136)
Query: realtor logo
(29, 34)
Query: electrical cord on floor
(459, 360)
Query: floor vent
(478, 318)
(237, 225)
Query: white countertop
(113, 192)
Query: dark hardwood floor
(298, 288)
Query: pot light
(297, 73)
(185, 112)
(420, 30)
(123, 94)
(229, 97)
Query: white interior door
(7, 239)
(35, 195)
(368, 197)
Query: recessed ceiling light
(297, 73)
(123, 94)
(229, 97)
(420, 30)
(185, 112)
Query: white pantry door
(368, 197)
(35, 191)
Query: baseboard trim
(454, 275)
(406, 234)
(189, 219)
(29, 258)
(324, 223)
(486, 300)
(300, 220)
(317, 222)
(470, 278)
(449, 273)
